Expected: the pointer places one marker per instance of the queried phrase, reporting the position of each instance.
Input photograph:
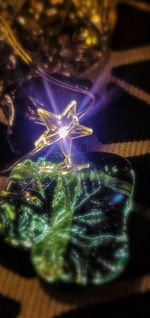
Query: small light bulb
(63, 132)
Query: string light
(61, 129)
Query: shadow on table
(9, 308)
(17, 260)
(136, 306)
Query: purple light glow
(63, 132)
(51, 97)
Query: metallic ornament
(74, 222)
(61, 129)
(59, 36)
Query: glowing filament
(63, 132)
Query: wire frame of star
(62, 130)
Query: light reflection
(62, 130)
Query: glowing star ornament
(62, 129)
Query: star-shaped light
(61, 129)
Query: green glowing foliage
(75, 223)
